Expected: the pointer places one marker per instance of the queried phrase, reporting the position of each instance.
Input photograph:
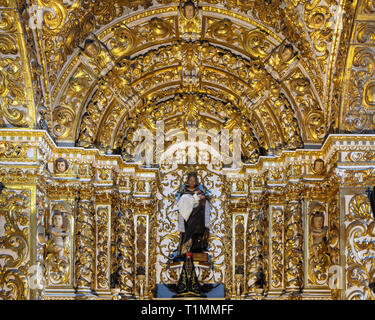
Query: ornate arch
(257, 32)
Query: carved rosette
(85, 242)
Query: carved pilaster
(103, 218)
(254, 245)
(293, 251)
(145, 253)
(239, 255)
(85, 242)
(125, 246)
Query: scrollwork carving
(360, 264)
(14, 267)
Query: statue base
(212, 291)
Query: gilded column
(103, 218)
(239, 255)
(85, 242)
(254, 245)
(125, 246)
(334, 240)
(293, 251)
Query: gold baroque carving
(14, 207)
(360, 256)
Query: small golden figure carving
(141, 186)
(240, 186)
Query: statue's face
(318, 223)
(192, 181)
(61, 167)
(286, 54)
(91, 50)
(57, 221)
(319, 166)
(189, 11)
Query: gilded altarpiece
(80, 219)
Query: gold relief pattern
(14, 244)
(366, 33)
(239, 229)
(11, 150)
(65, 27)
(102, 258)
(210, 56)
(123, 82)
(293, 254)
(264, 275)
(126, 246)
(141, 257)
(13, 99)
(85, 242)
(307, 104)
(360, 237)
(319, 258)
(279, 235)
(254, 244)
(152, 211)
(280, 74)
(41, 213)
(334, 105)
(63, 116)
(92, 117)
(188, 108)
(189, 23)
(72, 98)
(277, 247)
(359, 116)
(317, 17)
(334, 237)
(357, 108)
(360, 156)
(368, 6)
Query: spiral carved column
(254, 239)
(125, 246)
(293, 251)
(85, 242)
